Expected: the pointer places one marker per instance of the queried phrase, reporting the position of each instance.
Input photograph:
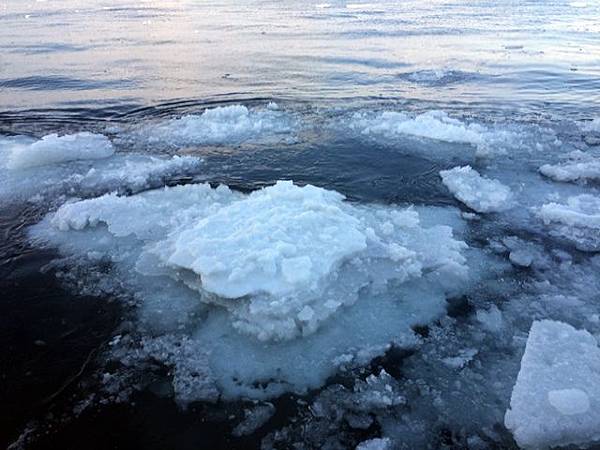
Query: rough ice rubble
(578, 220)
(436, 125)
(23, 180)
(55, 149)
(365, 283)
(580, 166)
(477, 192)
(556, 398)
(232, 124)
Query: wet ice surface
(340, 243)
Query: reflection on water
(70, 52)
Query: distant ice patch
(224, 125)
(580, 166)
(287, 277)
(556, 398)
(437, 77)
(479, 193)
(577, 220)
(435, 125)
(55, 149)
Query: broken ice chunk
(556, 399)
(477, 192)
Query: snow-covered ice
(479, 193)
(556, 398)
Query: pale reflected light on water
(70, 53)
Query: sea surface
(318, 81)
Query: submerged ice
(291, 271)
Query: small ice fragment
(491, 319)
(521, 258)
(375, 444)
(477, 192)
(254, 419)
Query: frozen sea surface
(263, 224)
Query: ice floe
(556, 399)
(223, 125)
(435, 125)
(278, 265)
(479, 193)
(81, 165)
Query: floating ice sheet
(55, 149)
(556, 399)
(295, 277)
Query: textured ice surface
(55, 149)
(556, 399)
(232, 124)
(436, 125)
(295, 277)
(477, 192)
(580, 166)
(577, 220)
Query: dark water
(68, 65)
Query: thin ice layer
(579, 167)
(577, 220)
(477, 192)
(55, 149)
(556, 399)
(297, 276)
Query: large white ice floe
(435, 125)
(556, 399)
(580, 166)
(233, 124)
(81, 164)
(55, 149)
(479, 193)
(294, 277)
(577, 220)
